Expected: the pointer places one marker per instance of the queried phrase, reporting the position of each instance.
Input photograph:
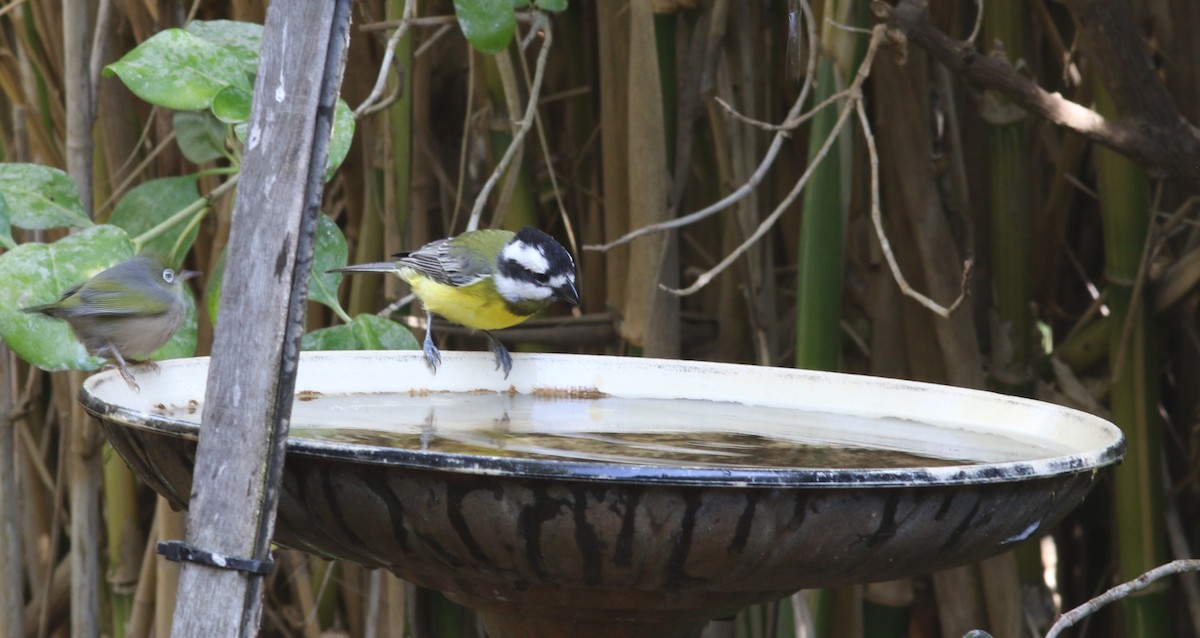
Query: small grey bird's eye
(542, 277)
(168, 275)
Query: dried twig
(406, 20)
(853, 101)
(1151, 130)
(1121, 591)
(789, 124)
(885, 245)
(978, 24)
(748, 187)
(877, 36)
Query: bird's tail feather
(383, 266)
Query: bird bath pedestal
(605, 496)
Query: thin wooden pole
(84, 473)
(12, 604)
(252, 376)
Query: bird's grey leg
(125, 374)
(503, 359)
(432, 356)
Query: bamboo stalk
(1141, 539)
(819, 278)
(141, 616)
(120, 509)
(651, 314)
(84, 477)
(1011, 319)
(613, 61)
(11, 571)
(170, 526)
(514, 204)
(77, 47)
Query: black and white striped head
(534, 267)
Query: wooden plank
(256, 347)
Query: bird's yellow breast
(477, 306)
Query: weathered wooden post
(247, 404)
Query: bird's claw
(125, 374)
(433, 357)
(503, 358)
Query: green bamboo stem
(516, 202)
(1010, 218)
(819, 280)
(120, 516)
(12, 604)
(665, 29)
(1011, 225)
(1141, 540)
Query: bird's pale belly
(476, 306)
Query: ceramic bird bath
(609, 496)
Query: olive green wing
(458, 261)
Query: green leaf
(340, 137)
(241, 130)
(212, 293)
(36, 273)
(551, 5)
(177, 70)
(231, 105)
(366, 332)
(151, 203)
(200, 135)
(40, 197)
(329, 252)
(6, 238)
(487, 24)
(240, 40)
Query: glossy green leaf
(36, 273)
(365, 332)
(240, 40)
(212, 293)
(340, 137)
(200, 135)
(148, 205)
(231, 105)
(329, 252)
(241, 130)
(487, 24)
(551, 5)
(178, 70)
(6, 238)
(39, 197)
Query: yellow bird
(484, 280)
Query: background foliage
(1081, 285)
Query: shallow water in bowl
(653, 432)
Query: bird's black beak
(567, 293)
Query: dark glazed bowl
(554, 547)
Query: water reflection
(657, 432)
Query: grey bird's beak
(185, 275)
(567, 293)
